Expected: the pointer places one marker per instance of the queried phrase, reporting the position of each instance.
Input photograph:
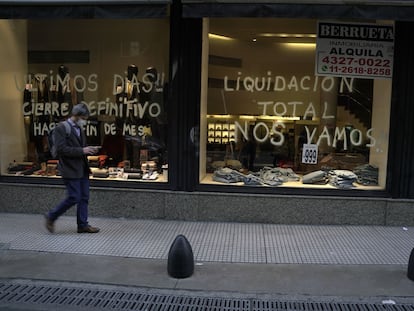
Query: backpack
(51, 139)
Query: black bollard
(410, 272)
(180, 258)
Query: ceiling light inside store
(242, 117)
(219, 116)
(266, 117)
(278, 118)
(218, 37)
(287, 35)
(301, 45)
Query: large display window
(118, 67)
(278, 112)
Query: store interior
(261, 89)
(259, 96)
(88, 61)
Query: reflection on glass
(282, 125)
(118, 72)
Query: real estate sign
(354, 50)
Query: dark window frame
(107, 10)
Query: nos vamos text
(261, 133)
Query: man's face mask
(81, 122)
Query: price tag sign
(354, 50)
(310, 154)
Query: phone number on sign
(357, 70)
(349, 61)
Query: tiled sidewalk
(213, 242)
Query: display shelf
(220, 132)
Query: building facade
(276, 112)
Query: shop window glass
(119, 68)
(268, 120)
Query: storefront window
(271, 118)
(119, 68)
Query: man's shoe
(50, 224)
(88, 229)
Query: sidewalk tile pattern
(214, 242)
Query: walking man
(73, 165)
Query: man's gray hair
(80, 110)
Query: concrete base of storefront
(208, 206)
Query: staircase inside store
(359, 102)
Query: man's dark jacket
(73, 163)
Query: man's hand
(90, 150)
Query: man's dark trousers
(77, 193)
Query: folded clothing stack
(252, 180)
(148, 166)
(367, 174)
(93, 161)
(22, 168)
(275, 176)
(97, 161)
(132, 170)
(52, 168)
(342, 179)
(134, 175)
(150, 175)
(319, 177)
(266, 176)
(100, 173)
(227, 175)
